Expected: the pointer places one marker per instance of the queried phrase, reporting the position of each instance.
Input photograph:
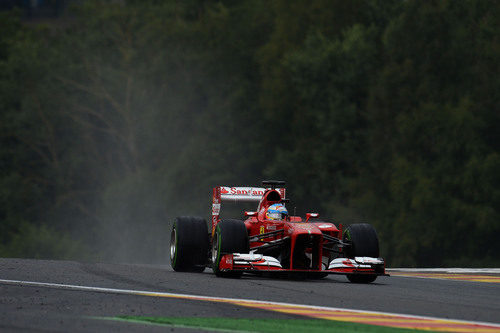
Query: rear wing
(237, 194)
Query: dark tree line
(117, 116)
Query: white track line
(448, 270)
(218, 299)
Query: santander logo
(242, 191)
(348, 263)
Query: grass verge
(262, 325)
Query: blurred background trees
(117, 116)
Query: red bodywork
(308, 243)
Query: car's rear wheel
(189, 244)
(230, 237)
(363, 242)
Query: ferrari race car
(270, 241)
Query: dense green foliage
(118, 116)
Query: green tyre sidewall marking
(174, 259)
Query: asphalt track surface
(44, 308)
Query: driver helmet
(276, 212)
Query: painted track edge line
(447, 270)
(221, 299)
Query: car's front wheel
(363, 242)
(230, 237)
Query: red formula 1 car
(271, 241)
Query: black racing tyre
(189, 244)
(364, 243)
(230, 237)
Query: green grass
(262, 325)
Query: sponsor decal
(261, 231)
(324, 226)
(347, 262)
(215, 209)
(271, 227)
(252, 191)
(229, 260)
(307, 227)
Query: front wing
(255, 263)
